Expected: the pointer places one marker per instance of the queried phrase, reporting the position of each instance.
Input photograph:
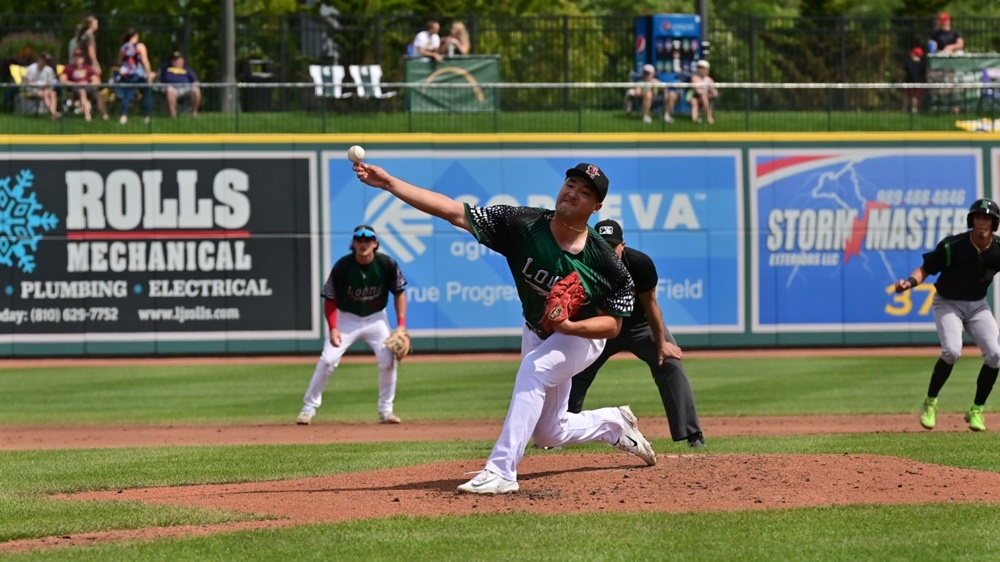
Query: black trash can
(257, 71)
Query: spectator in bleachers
(85, 41)
(134, 69)
(456, 42)
(946, 39)
(83, 84)
(41, 80)
(650, 84)
(427, 42)
(180, 82)
(913, 73)
(702, 93)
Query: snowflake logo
(22, 221)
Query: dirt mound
(561, 482)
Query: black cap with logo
(593, 175)
(611, 231)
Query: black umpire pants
(670, 378)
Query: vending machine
(672, 43)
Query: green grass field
(270, 393)
(584, 121)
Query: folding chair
(369, 81)
(329, 81)
(25, 103)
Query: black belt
(542, 334)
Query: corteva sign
(164, 245)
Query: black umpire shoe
(696, 441)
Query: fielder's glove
(564, 300)
(399, 342)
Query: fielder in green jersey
(542, 246)
(355, 297)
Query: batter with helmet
(560, 336)
(355, 297)
(967, 263)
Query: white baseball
(355, 154)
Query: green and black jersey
(966, 273)
(522, 235)
(363, 289)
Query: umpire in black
(647, 337)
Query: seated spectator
(456, 42)
(913, 73)
(648, 91)
(427, 42)
(945, 39)
(702, 92)
(180, 82)
(41, 80)
(83, 80)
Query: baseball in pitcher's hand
(374, 176)
(335, 338)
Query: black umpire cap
(594, 177)
(611, 231)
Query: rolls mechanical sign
(176, 246)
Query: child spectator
(913, 73)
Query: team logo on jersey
(25, 221)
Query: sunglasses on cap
(364, 232)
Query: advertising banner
(833, 229)
(144, 246)
(682, 207)
(469, 70)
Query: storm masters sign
(159, 246)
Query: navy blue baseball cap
(365, 231)
(594, 177)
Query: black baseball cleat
(696, 441)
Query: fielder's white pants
(950, 316)
(541, 395)
(373, 329)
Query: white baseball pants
(538, 407)
(373, 329)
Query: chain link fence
(582, 107)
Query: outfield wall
(220, 244)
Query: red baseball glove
(564, 300)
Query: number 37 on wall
(902, 303)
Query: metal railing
(584, 107)
(531, 48)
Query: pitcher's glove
(399, 342)
(564, 300)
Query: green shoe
(928, 418)
(975, 418)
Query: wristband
(401, 322)
(912, 281)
